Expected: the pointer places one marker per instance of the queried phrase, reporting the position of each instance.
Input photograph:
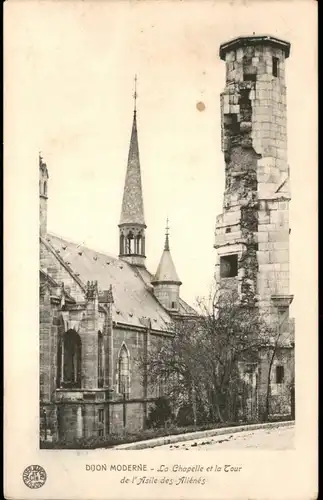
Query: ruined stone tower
(252, 233)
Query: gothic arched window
(60, 353)
(71, 359)
(138, 244)
(122, 250)
(100, 360)
(130, 249)
(123, 371)
(45, 188)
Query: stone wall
(134, 417)
(167, 294)
(43, 214)
(134, 340)
(48, 425)
(88, 332)
(48, 332)
(280, 393)
(69, 413)
(45, 344)
(273, 251)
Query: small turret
(166, 282)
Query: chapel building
(98, 315)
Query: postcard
(160, 185)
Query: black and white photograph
(172, 189)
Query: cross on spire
(167, 235)
(135, 95)
(42, 163)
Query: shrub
(185, 415)
(160, 414)
(130, 437)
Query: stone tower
(132, 222)
(43, 189)
(252, 233)
(166, 282)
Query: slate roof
(184, 308)
(132, 211)
(245, 41)
(166, 269)
(131, 286)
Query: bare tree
(234, 333)
(202, 363)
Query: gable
(57, 269)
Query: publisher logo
(34, 476)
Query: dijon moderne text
(162, 468)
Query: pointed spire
(166, 271)
(132, 211)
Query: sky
(70, 70)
